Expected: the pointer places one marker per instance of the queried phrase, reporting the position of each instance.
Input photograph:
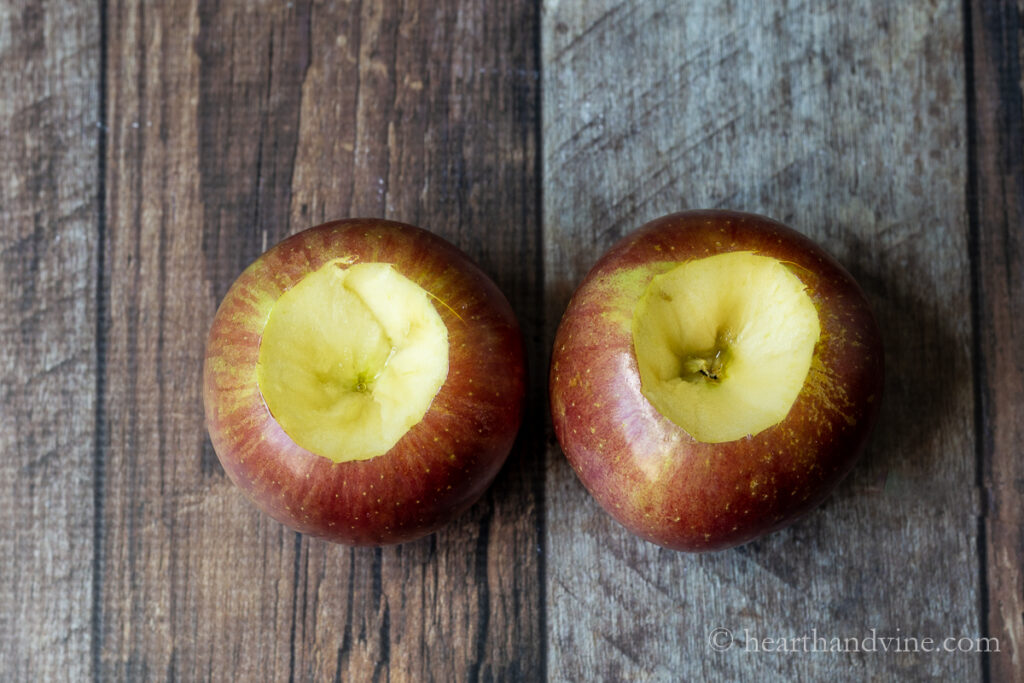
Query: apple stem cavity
(707, 365)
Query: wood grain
(186, 563)
(847, 123)
(426, 113)
(233, 125)
(49, 109)
(152, 150)
(996, 206)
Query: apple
(363, 382)
(714, 377)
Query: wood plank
(232, 126)
(431, 119)
(203, 108)
(49, 108)
(847, 123)
(996, 116)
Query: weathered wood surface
(996, 206)
(49, 108)
(152, 150)
(231, 126)
(849, 124)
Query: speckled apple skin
(649, 473)
(441, 466)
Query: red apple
(364, 382)
(713, 378)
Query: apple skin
(650, 474)
(441, 466)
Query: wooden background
(150, 150)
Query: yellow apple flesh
(351, 359)
(724, 344)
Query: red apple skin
(650, 474)
(441, 466)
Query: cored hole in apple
(351, 358)
(724, 344)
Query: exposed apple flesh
(681, 389)
(724, 344)
(351, 359)
(364, 382)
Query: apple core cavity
(351, 358)
(724, 344)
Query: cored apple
(714, 377)
(364, 382)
